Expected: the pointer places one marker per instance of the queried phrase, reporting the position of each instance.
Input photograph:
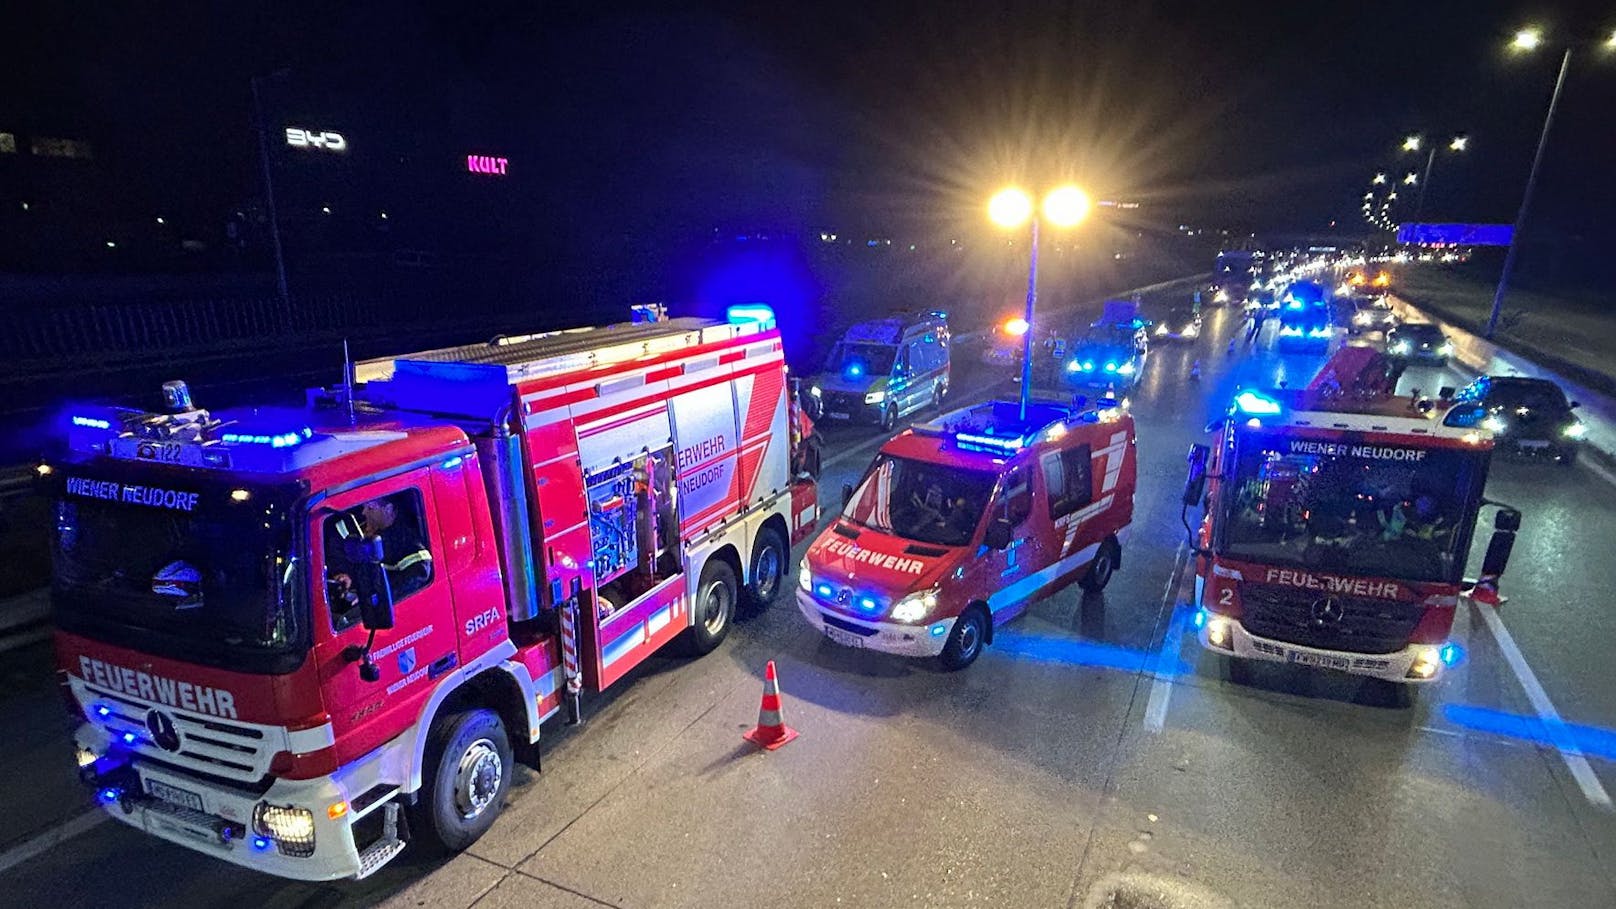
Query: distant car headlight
(875, 397)
(1222, 296)
(1161, 329)
(915, 607)
(1402, 347)
(1494, 424)
(1192, 330)
(815, 391)
(1074, 366)
(805, 578)
(1445, 350)
(1290, 331)
(1575, 430)
(1363, 318)
(1125, 369)
(1110, 367)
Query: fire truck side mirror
(998, 534)
(1195, 482)
(1502, 544)
(376, 610)
(847, 494)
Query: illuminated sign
(486, 164)
(309, 138)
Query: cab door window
(1015, 502)
(398, 519)
(1069, 477)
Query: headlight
(1111, 367)
(1402, 347)
(1445, 350)
(1362, 318)
(815, 391)
(1221, 296)
(1073, 366)
(1494, 424)
(1192, 330)
(86, 757)
(875, 397)
(1125, 369)
(1088, 365)
(1575, 430)
(1290, 331)
(915, 607)
(805, 578)
(1161, 329)
(291, 828)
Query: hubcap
(970, 638)
(477, 779)
(767, 576)
(716, 611)
(1102, 569)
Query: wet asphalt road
(1092, 749)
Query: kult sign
(486, 164)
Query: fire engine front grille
(231, 750)
(1350, 624)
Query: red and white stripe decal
(569, 647)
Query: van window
(1069, 476)
(1016, 500)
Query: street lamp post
(1010, 208)
(1526, 40)
(269, 193)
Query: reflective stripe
(414, 558)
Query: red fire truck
(299, 638)
(962, 523)
(1338, 523)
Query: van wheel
(769, 558)
(938, 393)
(889, 417)
(966, 640)
(469, 765)
(1100, 570)
(715, 607)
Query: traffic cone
(1485, 591)
(771, 731)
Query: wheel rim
(715, 607)
(1102, 569)
(477, 779)
(970, 638)
(766, 576)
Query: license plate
(175, 796)
(839, 415)
(1532, 443)
(1324, 661)
(844, 638)
(165, 452)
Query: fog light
(1218, 633)
(1427, 662)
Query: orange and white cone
(771, 731)
(1486, 591)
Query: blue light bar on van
(1256, 404)
(92, 422)
(275, 440)
(749, 312)
(1005, 445)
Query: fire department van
(885, 369)
(1338, 524)
(962, 523)
(296, 639)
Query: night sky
(642, 122)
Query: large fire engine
(299, 638)
(962, 523)
(1338, 523)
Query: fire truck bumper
(888, 637)
(315, 842)
(1415, 664)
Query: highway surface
(1093, 753)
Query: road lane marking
(1558, 734)
(1600, 470)
(50, 838)
(1161, 686)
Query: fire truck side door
(422, 644)
(1005, 571)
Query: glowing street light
(1527, 39)
(1459, 143)
(1410, 178)
(1379, 179)
(1063, 207)
(1610, 43)
(1412, 143)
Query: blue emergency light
(273, 440)
(742, 313)
(1256, 404)
(1004, 445)
(92, 422)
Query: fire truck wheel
(1237, 670)
(1101, 569)
(715, 606)
(769, 557)
(468, 764)
(965, 642)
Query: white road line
(51, 838)
(1161, 687)
(1559, 735)
(1600, 470)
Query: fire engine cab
(298, 638)
(962, 523)
(1338, 523)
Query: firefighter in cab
(405, 560)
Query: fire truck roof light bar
(1256, 404)
(749, 312)
(995, 444)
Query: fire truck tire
(965, 642)
(1237, 671)
(769, 558)
(715, 607)
(468, 774)
(1101, 569)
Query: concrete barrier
(1484, 358)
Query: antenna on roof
(348, 382)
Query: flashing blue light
(108, 795)
(1294, 304)
(1110, 367)
(868, 604)
(854, 370)
(992, 444)
(1088, 365)
(1074, 366)
(453, 462)
(937, 631)
(101, 710)
(742, 313)
(260, 843)
(1451, 654)
(1256, 404)
(129, 738)
(825, 590)
(1200, 618)
(277, 440)
(92, 422)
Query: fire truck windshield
(917, 500)
(216, 583)
(1352, 505)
